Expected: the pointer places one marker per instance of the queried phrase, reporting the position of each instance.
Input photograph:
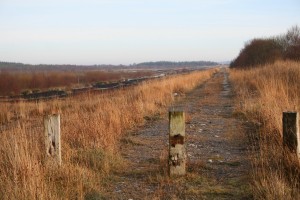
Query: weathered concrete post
(177, 152)
(290, 123)
(52, 138)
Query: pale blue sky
(132, 31)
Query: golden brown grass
(263, 93)
(92, 127)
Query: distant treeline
(11, 66)
(4, 66)
(176, 64)
(18, 77)
(266, 51)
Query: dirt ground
(217, 157)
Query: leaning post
(290, 124)
(52, 138)
(177, 152)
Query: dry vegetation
(263, 93)
(15, 82)
(268, 50)
(92, 126)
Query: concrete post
(52, 138)
(177, 152)
(290, 124)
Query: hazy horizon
(130, 64)
(132, 31)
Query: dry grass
(263, 94)
(92, 127)
(14, 82)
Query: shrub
(267, 51)
(257, 52)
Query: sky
(87, 32)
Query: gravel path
(216, 145)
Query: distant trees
(292, 43)
(168, 64)
(10, 66)
(263, 51)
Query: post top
(53, 115)
(290, 112)
(176, 109)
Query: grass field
(92, 126)
(262, 94)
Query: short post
(177, 152)
(52, 138)
(290, 123)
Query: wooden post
(177, 152)
(52, 138)
(290, 123)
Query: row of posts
(177, 151)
